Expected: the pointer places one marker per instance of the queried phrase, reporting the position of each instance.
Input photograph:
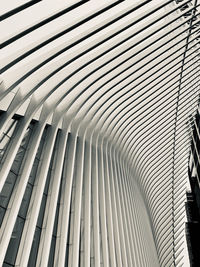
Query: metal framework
(95, 100)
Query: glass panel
(42, 143)
(34, 249)
(42, 210)
(37, 158)
(7, 189)
(53, 241)
(14, 241)
(25, 201)
(6, 136)
(56, 221)
(18, 160)
(21, 152)
(34, 171)
(2, 213)
(52, 251)
(7, 265)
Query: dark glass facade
(193, 196)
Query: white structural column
(96, 103)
